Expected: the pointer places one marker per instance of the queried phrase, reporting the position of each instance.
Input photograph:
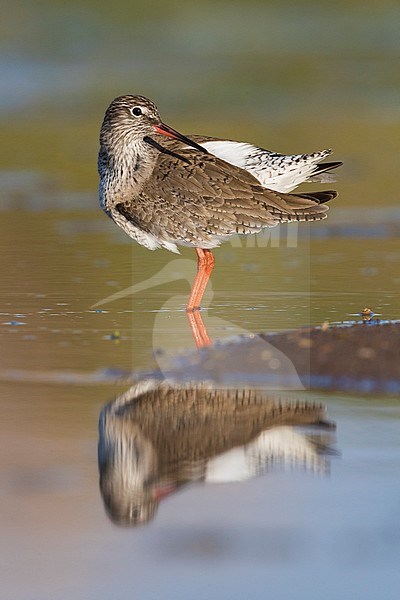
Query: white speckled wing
(279, 172)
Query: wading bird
(167, 190)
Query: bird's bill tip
(166, 130)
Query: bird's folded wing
(208, 197)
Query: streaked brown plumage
(156, 438)
(166, 193)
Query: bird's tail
(305, 207)
(323, 173)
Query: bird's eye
(136, 111)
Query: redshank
(166, 190)
(232, 435)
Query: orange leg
(205, 265)
(198, 328)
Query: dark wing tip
(328, 166)
(320, 197)
(323, 197)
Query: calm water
(61, 362)
(83, 311)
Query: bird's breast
(122, 183)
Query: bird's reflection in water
(156, 438)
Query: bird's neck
(123, 173)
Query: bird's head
(132, 119)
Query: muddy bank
(362, 358)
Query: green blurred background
(291, 76)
